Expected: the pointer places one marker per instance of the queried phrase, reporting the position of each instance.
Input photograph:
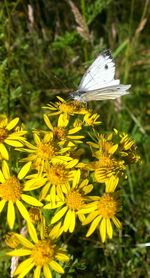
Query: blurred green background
(45, 47)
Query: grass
(42, 57)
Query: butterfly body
(98, 82)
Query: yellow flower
(42, 253)
(128, 149)
(90, 119)
(102, 212)
(9, 135)
(107, 167)
(104, 146)
(61, 133)
(64, 107)
(56, 177)
(42, 152)
(11, 192)
(71, 201)
(11, 240)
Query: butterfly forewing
(100, 73)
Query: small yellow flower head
(128, 149)
(107, 167)
(102, 211)
(90, 119)
(70, 203)
(58, 174)
(11, 192)
(11, 240)
(43, 255)
(10, 134)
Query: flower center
(104, 161)
(3, 134)
(45, 151)
(59, 133)
(58, 174)
(74, 200)
(43, 252)
(11, 190)
(69, 108)
(107, 206)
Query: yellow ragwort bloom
(106, 167)
(61, 133)
(11, 192)
(10, 135)
(42, 253)
(69, 108)
(70, 203)
(102, 211)
(91, 118)
(43, 151)
(128, 149)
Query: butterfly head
(76, 96)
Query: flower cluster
(70, 177)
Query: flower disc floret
(11, 190)
(43, 252)
(107, 206)
(74, 200)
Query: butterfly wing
(100, 74)
(110, 92)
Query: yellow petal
(36, 138)
(63, 120)
(2, 179)
(37, 272)
(13, 143)
(4, 152)
(48, 122)
(72, 222)
(10, 214)
(24, 170)
(47, 271)
(67, 220)
(23, 265)
(31, 200)
(25, 270)
(12, 124)
(25, 242)
(59, 215)
(74, 130)
(19, 252)
(103, 229)
(2, 204)
(90, 217)
(109, 228)
(5, 170)
(32, 232)
(62, 257)
(56, 267)
(93, 226)
(117, 222)
(76, 178)
(23, 210)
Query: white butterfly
(98, 82)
